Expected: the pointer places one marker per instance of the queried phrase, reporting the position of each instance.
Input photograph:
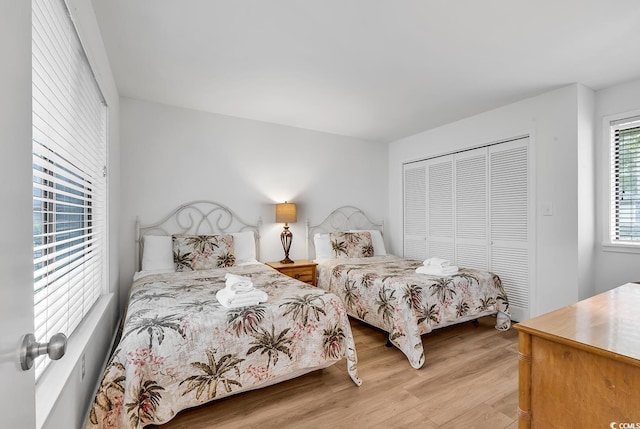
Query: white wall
(612, 268)
(586, 192)
(551, 120)
(66, 405)
(172, 156)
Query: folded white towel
(436, 262)
(238, 283)
(230, 299)
(433, 271)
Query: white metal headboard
(196, 217)
(343, 218)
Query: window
(625, 181)
(69, 169)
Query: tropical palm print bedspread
(180, 348)
(386, 292)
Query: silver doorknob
(31, 349)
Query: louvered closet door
(415, 211)
(440, 208)
(471, 224)
(510, 226)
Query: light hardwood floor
(469, 380)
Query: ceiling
(377, 70)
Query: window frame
(609, 243)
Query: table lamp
(285, 213)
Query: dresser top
(608, 322)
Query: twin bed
(179, 347)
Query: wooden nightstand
(302, 270)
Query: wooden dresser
(580, 365)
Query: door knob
(31, 349)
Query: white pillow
(376, 238)
(157, 253)
(244, 245)
(323, 246)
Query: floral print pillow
(351, 244)
(202, 252)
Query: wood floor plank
(469, 378)
(508, 403)
(362, 410)
(458, 391)
(481, 416)
(410, 419)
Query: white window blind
(625, 181)
(69, 169)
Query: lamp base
(286, 237)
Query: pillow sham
(351, 244)
(203, 252)
(157, 254)
(376, 238)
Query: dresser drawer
(303, 274)
(305, 271)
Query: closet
(473, 208)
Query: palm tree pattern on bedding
(181, 348)
(202, 252)
(386, 292)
